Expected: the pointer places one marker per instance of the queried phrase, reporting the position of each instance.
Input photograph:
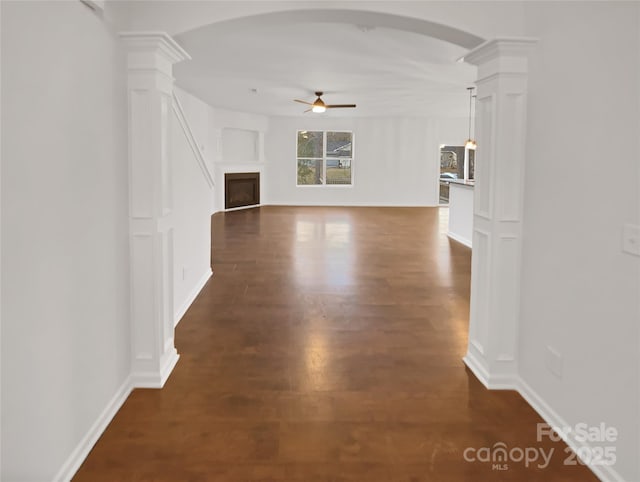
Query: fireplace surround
(241, 189)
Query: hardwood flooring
(327, 347)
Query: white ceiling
(386, 72)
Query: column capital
(152, 51)
(501, 56)
(155, 42)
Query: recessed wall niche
(240, 145)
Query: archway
(497, 233)
(436, 30)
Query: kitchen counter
(461, 211)
(461, 182)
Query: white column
(150, 59)
(497, 218)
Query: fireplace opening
(241, 189)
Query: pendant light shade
(470, 143)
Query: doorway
(451, 168)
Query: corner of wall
(193, 294)
(81, 451)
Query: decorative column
(497, 213)
(150, 59)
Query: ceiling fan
(319, 106)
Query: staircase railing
(195, 147)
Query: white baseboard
(606, 473)
(460, 239)
(192, 296)
(492, 382)
(80, 453)
(242, 208)
(477, 368)
(348, 205)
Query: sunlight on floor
(323, 252)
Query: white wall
(192, 197)
(579, 291)
(396, 160)
(65, 303)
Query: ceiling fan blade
(308, 110)
(340, 106)
(302, 101)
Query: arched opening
(500, 126)
(390, 65)
(207, 43)
(419, 26)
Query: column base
(492, 379)
(156, 379)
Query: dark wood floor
(327, 347)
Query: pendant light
(470, 144)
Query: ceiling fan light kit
(318, 106)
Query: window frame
(324, 158)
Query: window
(324, 158)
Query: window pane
(338, 144)
(309, 171)
(310, 143)
(338, 171)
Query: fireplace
(241, 189)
